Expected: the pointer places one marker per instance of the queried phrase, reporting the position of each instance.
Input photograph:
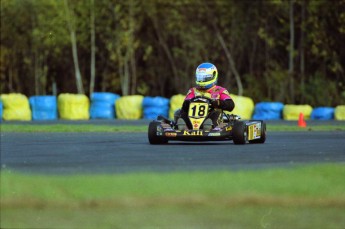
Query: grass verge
(70, 128)
(302, 197)
(140, 128)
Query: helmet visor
(202, 77)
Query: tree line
(291, 51)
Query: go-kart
(230, 127)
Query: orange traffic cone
(301, 122)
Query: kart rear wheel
(239, 133)
(152, 134)
(262, 139)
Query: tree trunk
(302, 55)
(291, 52)
(125, 78)
(252, 56)
(230, 60)
(36, 73)
(134, 74)
(71, 27)
(167, 52)
(131, 50)
(93, 47)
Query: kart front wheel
(239, 133)
(152, 134)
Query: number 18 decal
(198, 109)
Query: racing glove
(215, 103)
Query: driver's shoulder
(218, 89)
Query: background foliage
(291, 51)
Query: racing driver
(206, 79)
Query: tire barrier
(244, 106)
(268, 111)
(339, 112)
(15, 107)
(1, 110)
(103, 105)
(322, 113)
(154, 106)
(129, 107)
(73, 106)
(292, 112)
(176, 102)
(43, 107)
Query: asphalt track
(89, 153)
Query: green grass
(301, 197)
(140, 128)
(314, 181)
(70, 128)
(308, 128)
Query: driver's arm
(185, 105)
(227, 104)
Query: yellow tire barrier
(339, 112)
(176, 102)
(73, 106)
(16, 107)
(129, 107)
(292, 112)
(244, 106)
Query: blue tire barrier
(154, 106)
(153, 112)
(103, 105)
(43, 107)
(322, 113)
(268, 111)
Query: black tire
(239, 133)
(152, 134)
(263, 135)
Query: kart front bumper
(196, 135)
